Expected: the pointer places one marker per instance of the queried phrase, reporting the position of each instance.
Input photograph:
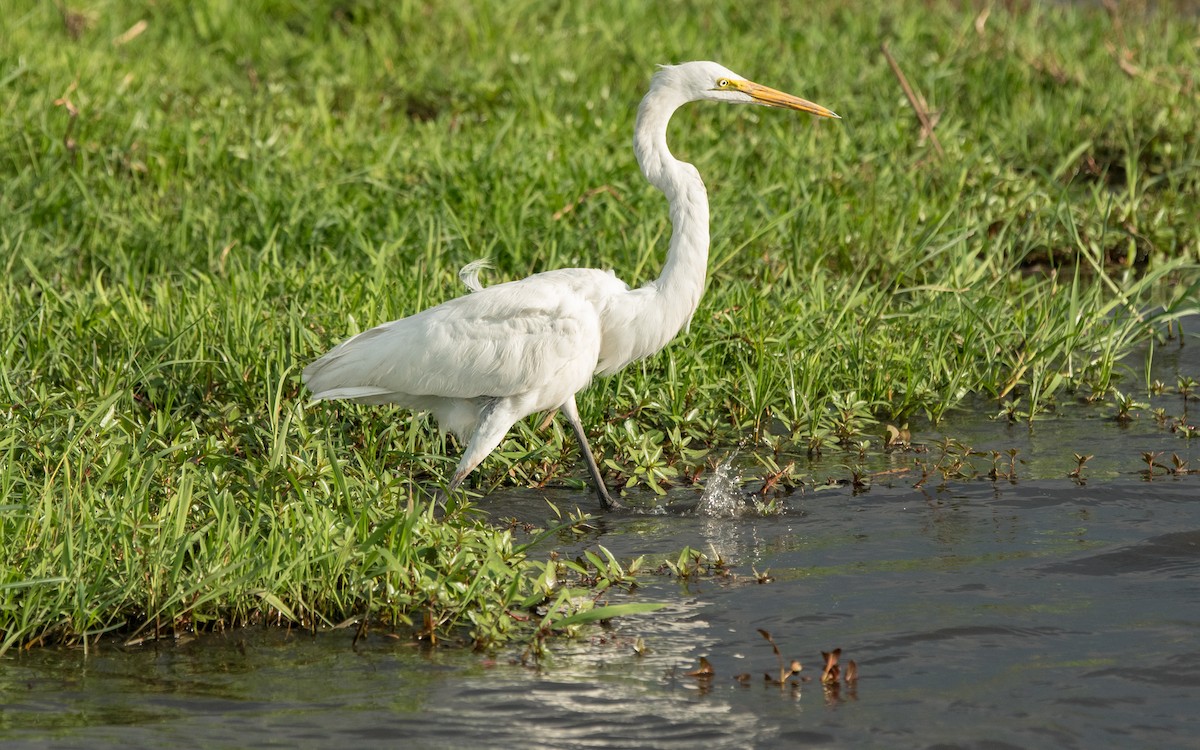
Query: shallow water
(1039, 612)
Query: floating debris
(704, 672)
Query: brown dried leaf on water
(897, 436)
(770, 640)
(704, 671)
(784, 671)
(1077, 472)
(832, 670)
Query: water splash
(723, 496)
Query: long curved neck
(681, 283)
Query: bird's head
(708, 81)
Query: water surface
(1040, 614)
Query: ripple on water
(1175, 555)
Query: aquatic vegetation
(788, 675)
(1126, 405)
(1080, 461)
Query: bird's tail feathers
(366, 394)
(469, 274)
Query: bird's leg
(572, 411)
(441, 497)
(495, 419)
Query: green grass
(247, 183)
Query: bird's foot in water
(607, 501)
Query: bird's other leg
(572, 413)
(495, 419)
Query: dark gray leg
(572, 413)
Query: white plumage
(483, 361)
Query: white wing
(504, 340)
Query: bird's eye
(723, 83)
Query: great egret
(483, 361)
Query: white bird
(482, 361)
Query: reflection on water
(1036, 614)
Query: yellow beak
(772, 98)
